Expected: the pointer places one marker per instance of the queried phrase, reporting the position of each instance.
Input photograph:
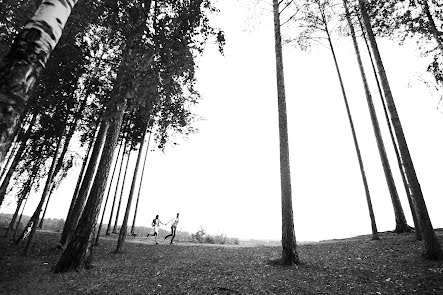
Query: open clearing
(392, 265)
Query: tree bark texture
(20, 68)
(432, 248)
(82, 171)
(289, 252)
(73, 218)
(107, 195)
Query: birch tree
(21, 67)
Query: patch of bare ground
(392, 265)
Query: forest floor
(393, 265)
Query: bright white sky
(226, 177)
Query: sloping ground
(392, 265)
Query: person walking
(156, 226)
(173, 228)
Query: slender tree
(107, 195)
(394, 143)
(114, 229)
(124, 227)
(289, 252)
(351, 123)
(36, 215)
(10, 170)
(432, 248)
(20, 68)
(108, 230)
(82, 171)
(141, 182)
(73, 218)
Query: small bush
(201, 237)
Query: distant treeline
(52, 224)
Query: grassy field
(392, 265)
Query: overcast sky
(226, 177)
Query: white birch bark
(27, 57)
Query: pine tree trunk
(20, 68)
(20, 218)
(49, 182)
(36, 215)
(71, 129)
(400, 219)
(289, 252)
(82, 172)
(14, 217)
(26, 192)
(140, 186)
(114, 230)
(432, 248)
(15, 146)
(394, 143)
(78, 252)
(73, 218)
(97, 237)
(108, 230)
(351, 123)
(15, 162)
(42, 218)
(123, 229)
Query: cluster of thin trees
(121, 70)
(313, 20)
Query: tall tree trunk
(432, 248)
(141, 181)
(20, 218)
(15, 162)
(289, 252)
(15, 145)
(71, 129)
(14, 217)
(400, 219)
(82, 172)
(20, 68)
(107, 195)
(114, 230)
(78, 252)
(124, 227)
(35, 217)
(108, 230)
(394, 143)
(42, 218)
(49, 183)
(26, 194)
(22, 196)
(354, 135)
(73, 218)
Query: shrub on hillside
(202, 237)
